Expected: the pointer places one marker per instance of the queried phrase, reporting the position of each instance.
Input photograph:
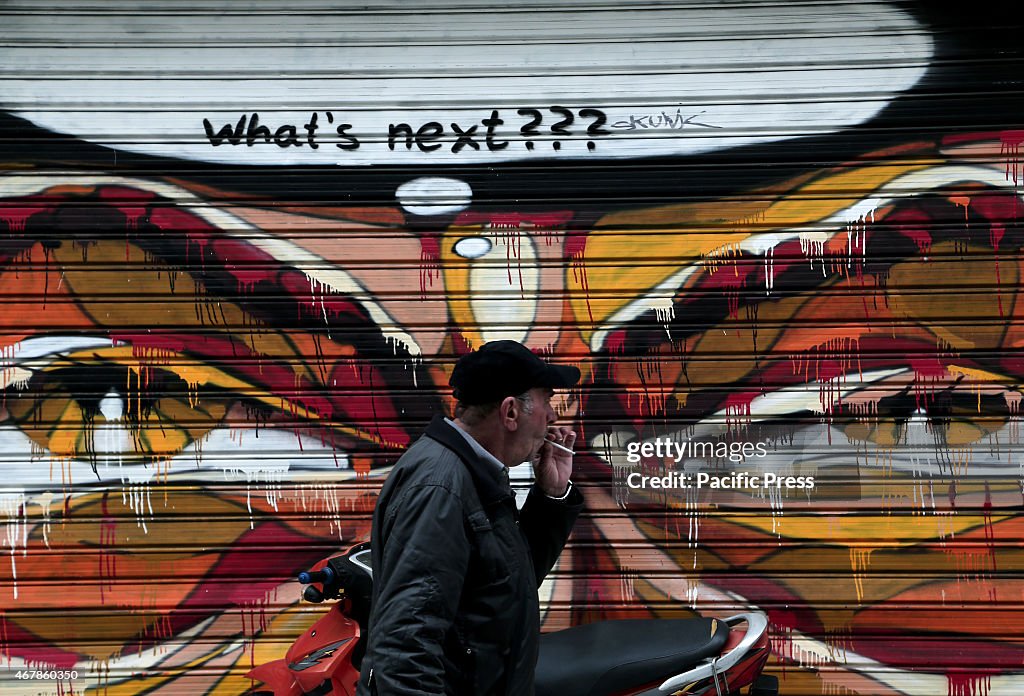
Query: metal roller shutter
(243, 244)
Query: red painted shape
(784, 608)
(26, 645)
(170, 219)
(106, 574)
(315, 301)
(913, 224)
(903, 650)
(354, 392)
(132, 202)
(364, 402)
(124, 194)
(616, 341)
(430, 261)
(975, 137)
(969, 682)
(549, 219)
(1011, 142)
(17, 216)
(575, 244)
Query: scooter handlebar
(325, 575)
(347, 575)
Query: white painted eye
(472, 247)
(434, 195)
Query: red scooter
(648, 657)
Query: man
(456, 566)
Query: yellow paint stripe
(456, 272)
(898, 531)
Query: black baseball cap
(505, 368)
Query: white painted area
(862, 211)
(112, 406)
(671, 79)
(434, 195)
(19, 361)
(50, 345)
(800, 398)
(223, 455)
(15, 530)
(285, 455)
(505, 286)
(472, 247)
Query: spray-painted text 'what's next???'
(545, 128)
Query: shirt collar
(477, 447)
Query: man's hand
(553, 467)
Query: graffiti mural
(241, 251)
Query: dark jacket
(455, 574)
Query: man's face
(533, 423)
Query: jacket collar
(488, 481)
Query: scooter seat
(611, 656)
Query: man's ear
(509, 410)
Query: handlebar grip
(325, 575)
(313, 595)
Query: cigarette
(561, 447)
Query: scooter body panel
(276, 677)
(324, 652)
(321, 654)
